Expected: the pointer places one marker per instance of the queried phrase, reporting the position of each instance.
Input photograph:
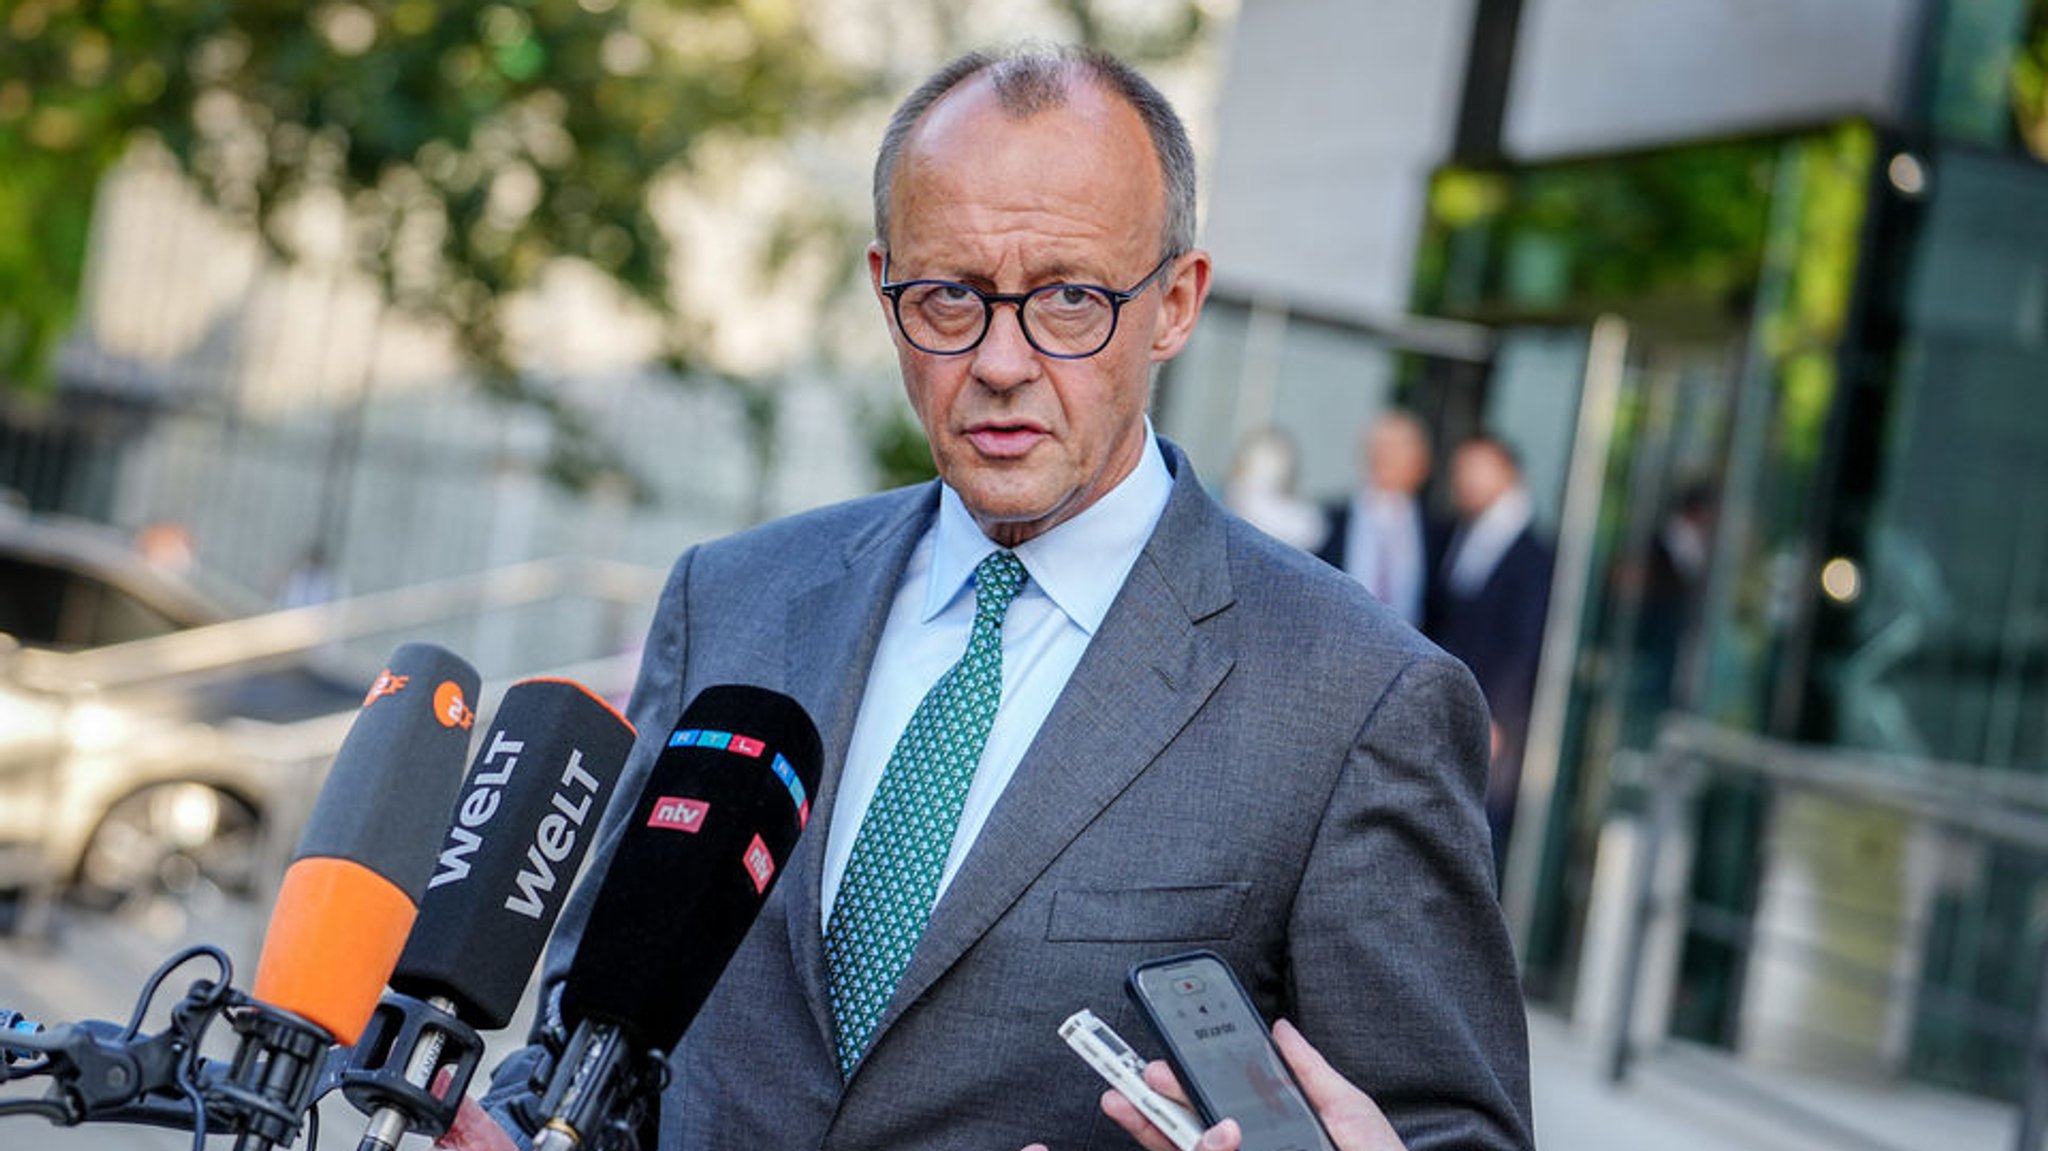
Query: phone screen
(1223, 1053)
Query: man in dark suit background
(1204, 738)
(1383, 535)
(1492, 591)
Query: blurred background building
(1757, 290)
(1760, 293)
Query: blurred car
(133, 785)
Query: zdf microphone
(544, 772)
(701, 848)
(352, 891)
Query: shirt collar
(1385, 504)
(1080, 565)
(1503, 519)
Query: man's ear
(1182, 291)
(878, 258)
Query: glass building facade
(1783, 402)
(1836, 355)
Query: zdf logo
(450, 708)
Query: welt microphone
(528, 810)
(349, 898)
(702, 847)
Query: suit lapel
(834, 628)
(1144, 675)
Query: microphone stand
(269, 1086)
(607, 1095)
(101, 1070)
(442, 1054)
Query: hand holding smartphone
(1221, 1051)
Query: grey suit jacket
(1253, 756)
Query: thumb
(474, 1130)
(1353, 1120)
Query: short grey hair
(1030, 80)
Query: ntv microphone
(351, 893)
(528, 810)
(709, 834)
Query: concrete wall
(1594, 75)
(1332, 112)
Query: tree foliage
(469, 143)
(2029, 86)
(472, 142)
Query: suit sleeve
(1400, 963)
(513, 1097)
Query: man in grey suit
(1204, 738)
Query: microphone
(528, 810)
(702, 847)
(352, 891)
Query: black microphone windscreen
(351, 895)
(529, 808)
(385, 801)
(705, 841)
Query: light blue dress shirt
(1075, 571)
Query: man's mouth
(1004, 441)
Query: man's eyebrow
(1058, 271)
(1061, 273)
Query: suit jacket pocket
(1162, 914)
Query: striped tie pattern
(892, 877)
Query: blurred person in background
(1492, 591)
(312, 580)
(1261, 488)
(1383, 535)
(166, 545)
(1673, 587)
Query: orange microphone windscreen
(335, 934)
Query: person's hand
(1354, 1121)
(1160, 1077)
(1127, 1115)
(475, 1130)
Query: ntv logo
(678, 814)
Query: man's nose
(1005, 358)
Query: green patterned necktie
(892, 878)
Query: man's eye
(1069, 300)
(948, 296)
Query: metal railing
(308, 630)
(593, 613)
(1970, 803)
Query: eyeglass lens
(1059, 319)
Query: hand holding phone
(1113, 1059)
(1220, 1050)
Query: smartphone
(1223, 1053)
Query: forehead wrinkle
(1039, 197)
(1039, 238)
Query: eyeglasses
(1064, 321)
